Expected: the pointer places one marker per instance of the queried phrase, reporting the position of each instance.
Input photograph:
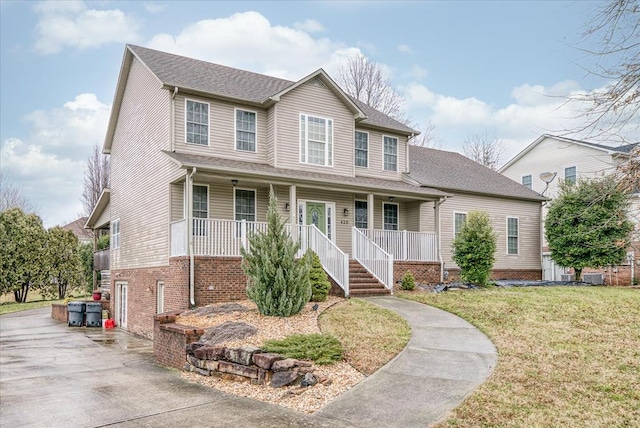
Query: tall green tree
(65, 262)
(587, 225)
(86, 255)
(474, 248)
(278, 283)
(24, 264)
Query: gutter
(192, 298)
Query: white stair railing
(373, 258)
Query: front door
(317, 214)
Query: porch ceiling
(257, 172)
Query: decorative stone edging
(252, 364)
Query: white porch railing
(218, 238)
(406, 245)
(373, 258)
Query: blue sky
(467, 67)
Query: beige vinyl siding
(378, 213)
(271, 127)
(140, 173)
(499, 209)
(320, 101)
(177, 201)
(413, 216)
(222, 142)
(376, 167)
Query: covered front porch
(213, 216)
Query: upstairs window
(115, 234)
(458, 222)
(361, 215)
(526, 181)
(316, 140)
(512, 235)
(570, 174)
(362, 149)
(390, 153)
(197, 123)
(390, 216)
(245, 130)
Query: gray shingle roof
(452, 172)
(334, 181)
(228, 82)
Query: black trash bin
(94, 314)
(76, 313)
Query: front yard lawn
(568, 356)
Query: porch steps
(362, 283)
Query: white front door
(121, 304)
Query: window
(390, 216)
(570, 174)
(197, 123)
(512, 235)
(458, 222)
(200, 209)
(245, 205)
(526, 181)
(245, 130)
(390, 153)
(361, 215)
(115, 234)
(316, 140)
(362, 149)
(160, 294)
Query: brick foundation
(171, 340)
(423, 272)
(59, 312)
(497, 274)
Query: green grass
(34, 301)
(320, 348)
(567, 356)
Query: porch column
(370, 216)
(293, 211)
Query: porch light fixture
(287, 206)
(234, 183)
(345, 212)
(391, 198)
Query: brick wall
(423, 272)
(171, 339)
(59, 312)
(219, 279)
(497, 274)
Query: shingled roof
(232, 83)
(453, 172)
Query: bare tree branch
(484, 148)
(12, 196)
(96, 178)
(427, 138)
(364, 80)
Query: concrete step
(362, 292)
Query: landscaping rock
(218, 309)
(282, 365)
(238, 369)
(210, 353)
(265, 360)
(240, 355)
(227, 331)
(193, 346)
(309, 379)
(281, 379)
(190, 368)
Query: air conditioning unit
(593, 278)
(566, 277)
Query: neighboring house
(568, 159)
(77, 227)
(195, 146)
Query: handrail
(373, 258)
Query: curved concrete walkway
(55, 376)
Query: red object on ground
(110, 323)
(97, 295)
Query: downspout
(192, 298)
(172, 120)
(437, 208)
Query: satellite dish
(548, 177)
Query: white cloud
(72, 24)
(154, 7)
(309, 26)
(49, 165)
(404, 49)
(276, 50)
(415, 72)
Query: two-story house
(195, 147)
(550, 159)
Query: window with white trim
(361, 215)
(197, 120)
(570, 174)
(115, 234)
(245, 130)
(390, 216)
(512, 235)
(526, 181)
(200, 209)
(316, 140)
(160, 297)
(458, 222)
(362, 149)
(245, 205)
(390, 149)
